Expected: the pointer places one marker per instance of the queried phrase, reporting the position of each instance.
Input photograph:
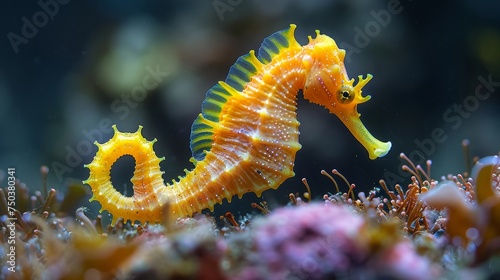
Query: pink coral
(401, 260)
(305, 242)
(315, 241)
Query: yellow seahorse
(246, 136)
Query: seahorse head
(328, 85)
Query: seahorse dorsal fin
(240, 74)
(278, 41)
(201, 138)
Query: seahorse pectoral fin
(375, 147)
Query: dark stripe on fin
(241, 72)
(215, 98)
(273, 44)
(201, 138)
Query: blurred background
(70, 69)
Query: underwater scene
(232, 139)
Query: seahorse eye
(345, 94)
